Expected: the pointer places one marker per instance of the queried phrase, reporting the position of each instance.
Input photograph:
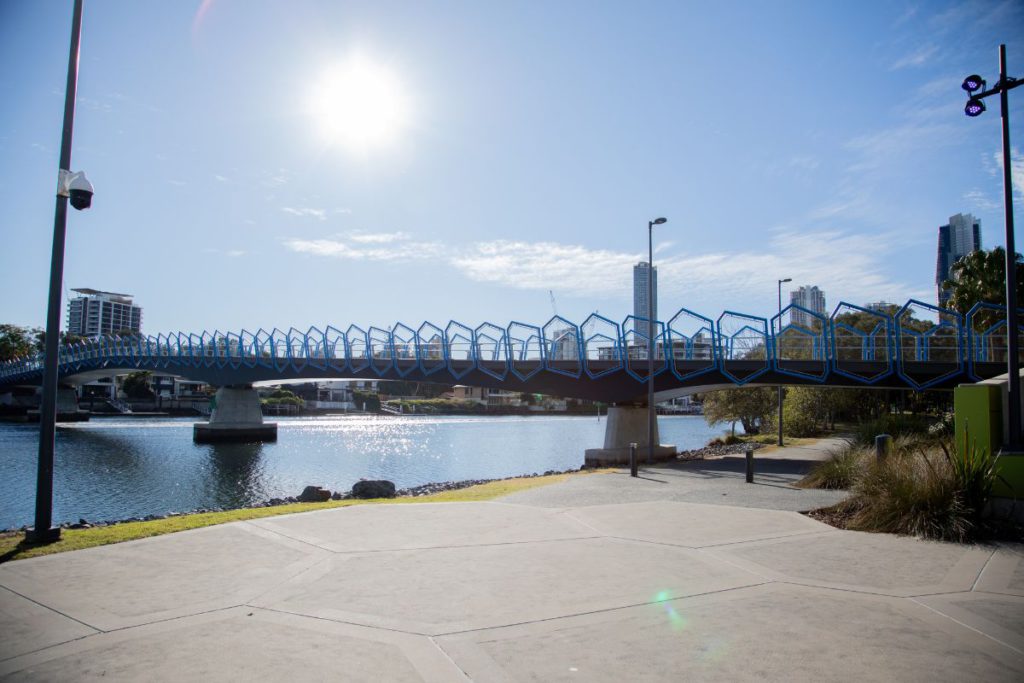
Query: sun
(359, 105)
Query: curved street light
(975, 87)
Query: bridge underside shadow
(561, 378)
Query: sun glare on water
(359, 105)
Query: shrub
(911, 494)
(894, 425)
(840, 471)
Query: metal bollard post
(632, 459)
(750, 465)
(883, 446)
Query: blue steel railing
(797, 342)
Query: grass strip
(14, 547)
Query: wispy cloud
(320, 214)
(379, 237)
(918, 57)
(1016, 169)
(340, 249)
(981, 201)
(219, 178)
(177, 183)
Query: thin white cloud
(342, 210)
(177, 183)
(219, 178)
(336, 248)
(918, 57)
(1016, 169)
(378, 237)
(981, 200)
(235, 253)
(320, 214)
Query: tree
(749, 406)
(136, 385)
(17, 341)
(981, 277)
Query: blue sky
(823, 141)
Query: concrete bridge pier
(236, 416)
(626, 425)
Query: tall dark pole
(788, 279)
(1013, 360)
(43, 531)
(651, 344)
(651, 415)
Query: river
(115, 468)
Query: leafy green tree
(981, 277)
(17, 341)
(136, 385)
(750, 406)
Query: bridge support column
(236, 416)
(626, 425)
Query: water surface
(116, 468)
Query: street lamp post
(976, 92)
(43, 532)
(651, 346)
(788, 279)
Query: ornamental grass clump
(911, 493)
(840, 471)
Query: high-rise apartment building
(95, 313)
(960, 237)
(641, 298)
(811, 298)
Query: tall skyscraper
(640, 298)
(960, 237)
(95, 313)
(811, 298)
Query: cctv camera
(80, 190)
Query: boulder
(314, 494)
(370, 488)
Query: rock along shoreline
(410, 492)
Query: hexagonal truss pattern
(692, 342)
(923, 344)
(562, 347)
(862, 342)
(459, 349)
(525, 349)
(602, 353)
(403, 349)
(927, 334)
(985, 328)
(743, 339)
(636, 345)
(491, 348)
(431, 348)
(798, 334)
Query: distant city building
(95, 313)
(882, 307)
(811, 298)
(642, 298)
(957, 239)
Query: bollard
(883, 446)
(632, 459)
(750, 466)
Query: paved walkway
(602, 578)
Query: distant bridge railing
(796, 342)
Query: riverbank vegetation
(13, 546)
(924, 487)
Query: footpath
(684, 573)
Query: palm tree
(981, 276)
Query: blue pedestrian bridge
(917, 346)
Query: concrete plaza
(686, 573)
